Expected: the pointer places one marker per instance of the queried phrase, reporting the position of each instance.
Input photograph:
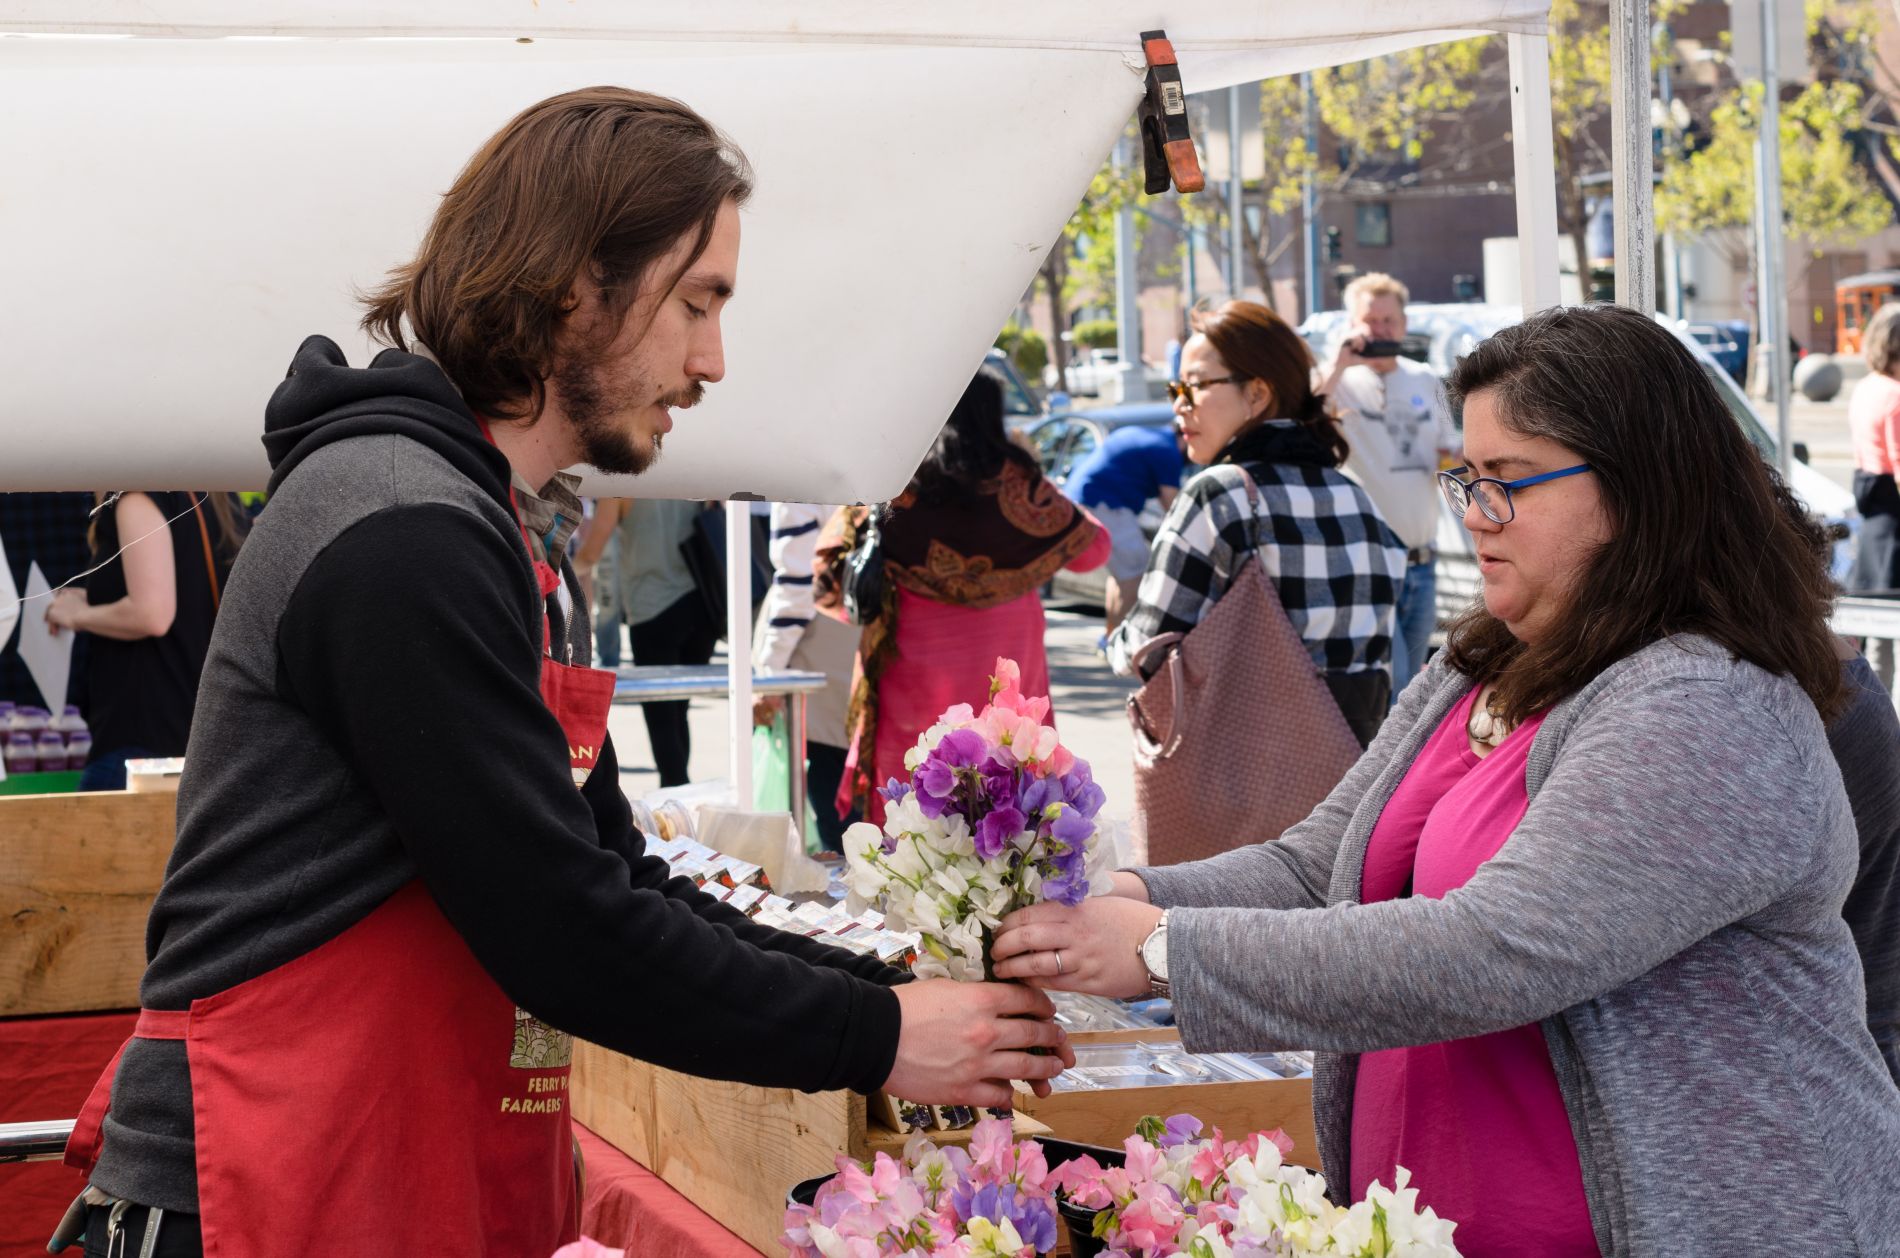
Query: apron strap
(546, 579)
(162, 1024)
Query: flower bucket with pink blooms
(1170, 1190)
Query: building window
(1372, 223)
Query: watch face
(1154, 954)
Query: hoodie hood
(323, 400)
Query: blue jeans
(106, 771)
(1418, 615)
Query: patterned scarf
(1008, 538)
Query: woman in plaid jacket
(1245, 401)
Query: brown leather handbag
(1236, 734)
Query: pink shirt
(1479, 1122)
(1873, 417)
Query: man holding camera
(1393, 413)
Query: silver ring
(1058, 960)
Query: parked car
(1062, 443)
(1022, 406)
(1454, 329)
(1726, 342)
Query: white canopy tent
(192, 186)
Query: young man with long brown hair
(389, 904)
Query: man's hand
(1093, 947)
(961, 1043)
(1347, 355)
(766, 708)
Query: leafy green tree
(1826, 194)
(1374, 113)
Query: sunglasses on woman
(1178, 389)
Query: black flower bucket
(1077, 1221)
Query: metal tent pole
(1536, 171)
(739, 648)
(1309, 198)
(1774, 301)
(1632, 157)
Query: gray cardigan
(1669, 909)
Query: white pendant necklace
(1486, 725)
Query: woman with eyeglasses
(1245, 404)
(1570, 935)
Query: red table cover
(47, 1066)
(629, 1207)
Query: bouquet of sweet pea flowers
(997, 814)
(990, 1201)
(1178, 1192)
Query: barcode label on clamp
(1173, 100)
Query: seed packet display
(1076, 1012)
(1100, 1067)
(746, 899)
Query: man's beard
(604, 444)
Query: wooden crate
(732, 1150)
(77, 878)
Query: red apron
(380, 1093)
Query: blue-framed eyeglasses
(1493, 496)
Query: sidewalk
(1823, 426)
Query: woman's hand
(1129, 887)
(766, 708)
(64, 611)
(1093, 947)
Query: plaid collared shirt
(550, 514)
(1335, 563)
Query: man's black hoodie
(370, 714)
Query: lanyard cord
(107, 561)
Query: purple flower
(1001, 784)
(994, 832)
(1080, 791)
(1065, 875)
(937, 778)
(893, 790)
(1069, 887)
(1034, 1218)
(1181, 1129)
(1039, 794)
(1072, 827)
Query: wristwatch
(1153, 952)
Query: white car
(1452, 330)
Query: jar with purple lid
(78, 748)
(52, 751)
(22, 753)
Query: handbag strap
(1253, 502)
(1146, 748)
(204, 535)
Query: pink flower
(1151, 1221)
(1209, 1162)
(992, 1150)
(1083, 1181)
(1144, 1160)
(588, 1247)
(1007, 682)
